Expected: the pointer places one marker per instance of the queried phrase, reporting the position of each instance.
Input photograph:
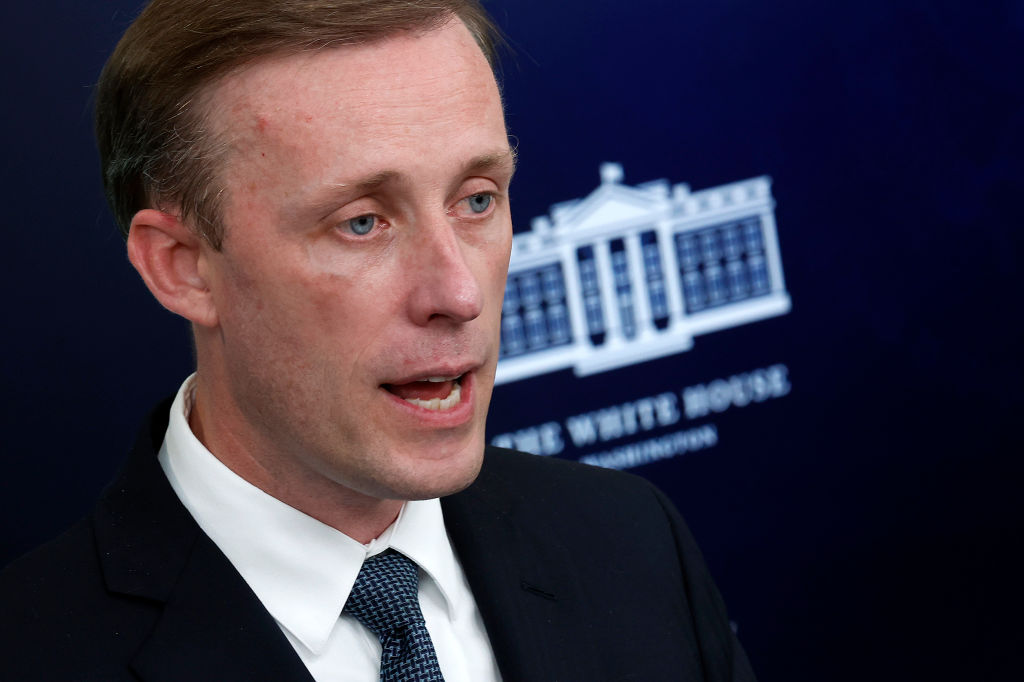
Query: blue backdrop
(863, 523)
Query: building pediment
(608, 205)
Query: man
(321, 188)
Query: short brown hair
(150, 116)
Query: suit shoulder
(52, 585)
(55, 598)
(548, 487)
(43, 590)
(544, 472)
(70, 554)
(623, 524)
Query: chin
(418, 475)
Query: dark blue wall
(865, 526)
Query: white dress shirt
(302, 570)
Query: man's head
(346, 321)
(152, 104)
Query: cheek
(351, 312)
(496, 268)
(274, 307)
(238, 299)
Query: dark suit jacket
(579, 573)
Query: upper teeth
(437, 380)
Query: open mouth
(432, 393)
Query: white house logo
(629, 274)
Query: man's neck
(360, 516)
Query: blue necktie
(385, 598)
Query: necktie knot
(385, 599)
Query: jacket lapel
(211, 625)
(523, 584)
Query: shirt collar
(302, 570)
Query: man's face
(359, 289)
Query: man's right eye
(362, 225)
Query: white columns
(641, 296)
(670, 268)
(574, 296)
(609, 301)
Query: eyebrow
(503, 160)
(494, 161)
(369, 182)
(499, 161)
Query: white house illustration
(629, 274)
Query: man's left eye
(362, 225)
(478, 203)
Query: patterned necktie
(385, 598)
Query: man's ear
(167, 254)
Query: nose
(443, 285)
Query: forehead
(407, 89)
